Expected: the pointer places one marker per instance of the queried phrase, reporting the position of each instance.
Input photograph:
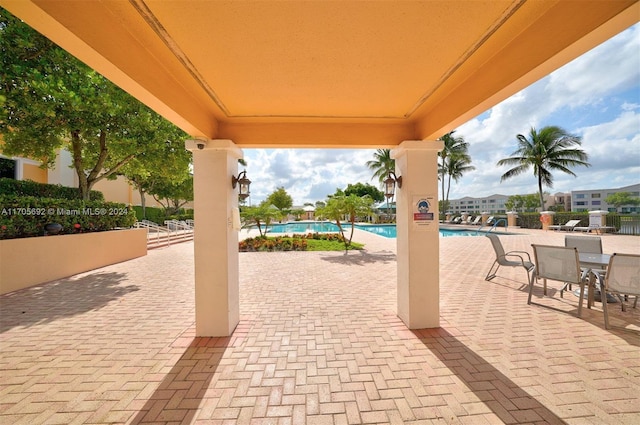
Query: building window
(595, 195)
(581, 203)
(7, 168)
(580, 196)
(595, 202)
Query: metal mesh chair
(590, 244)
(622, 279)
(508, 259)
(557, 263)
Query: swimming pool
(386, 230)
(389, 231)
(303, 227)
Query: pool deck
(318, 343)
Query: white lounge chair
(477, 220)
(594, 228)
(569, 225)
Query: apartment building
(594, 199)
(493, 204)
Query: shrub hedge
(296, 242)
(158, 215)
(43, 190)
(26, 216)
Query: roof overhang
(317, 73)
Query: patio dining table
(594, 263)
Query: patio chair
(557, 263)
(569, 225)
(622, 279)
(507, 259)
(477, 222)
(590, 244)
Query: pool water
(389, 231)
(386, 230)
(303, 227)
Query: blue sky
(596, 96)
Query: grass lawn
(323, 245)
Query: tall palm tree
(550, 149)
(452, 157)
(456, 166)
(382, 164)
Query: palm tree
(382, 164)
(455, 167)
(452, 158)
(552, 148)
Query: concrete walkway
(319, 342)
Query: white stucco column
(215, 241)
(417, 233)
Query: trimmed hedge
(26, 216)
(158, 215)
(43, 190)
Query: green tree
(163, 164)
(281, 200)
(620, 199)
(455, 168)
(363, 189)
(382, 164)
(172, 194)
(53, 101)
(550, 149)
(453, 162)
(340, 208)
(522, 203)
(259, 215)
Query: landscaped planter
(30, 261)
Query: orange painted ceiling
(324, 73)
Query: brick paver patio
(319, 342)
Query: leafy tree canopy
(522, 203)
(259, 215)
(349, 208)
(53, 101)
(363, 189)
(620, 199)
(280, 199)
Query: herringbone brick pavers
(319, 342)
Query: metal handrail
(157, 234)
(494, 225)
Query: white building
(493, 204)
(594, 199)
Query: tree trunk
(540, 192)
(143, 202)
(444, 204)
(76, 152)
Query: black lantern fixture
(390, 184)
(243, 182)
